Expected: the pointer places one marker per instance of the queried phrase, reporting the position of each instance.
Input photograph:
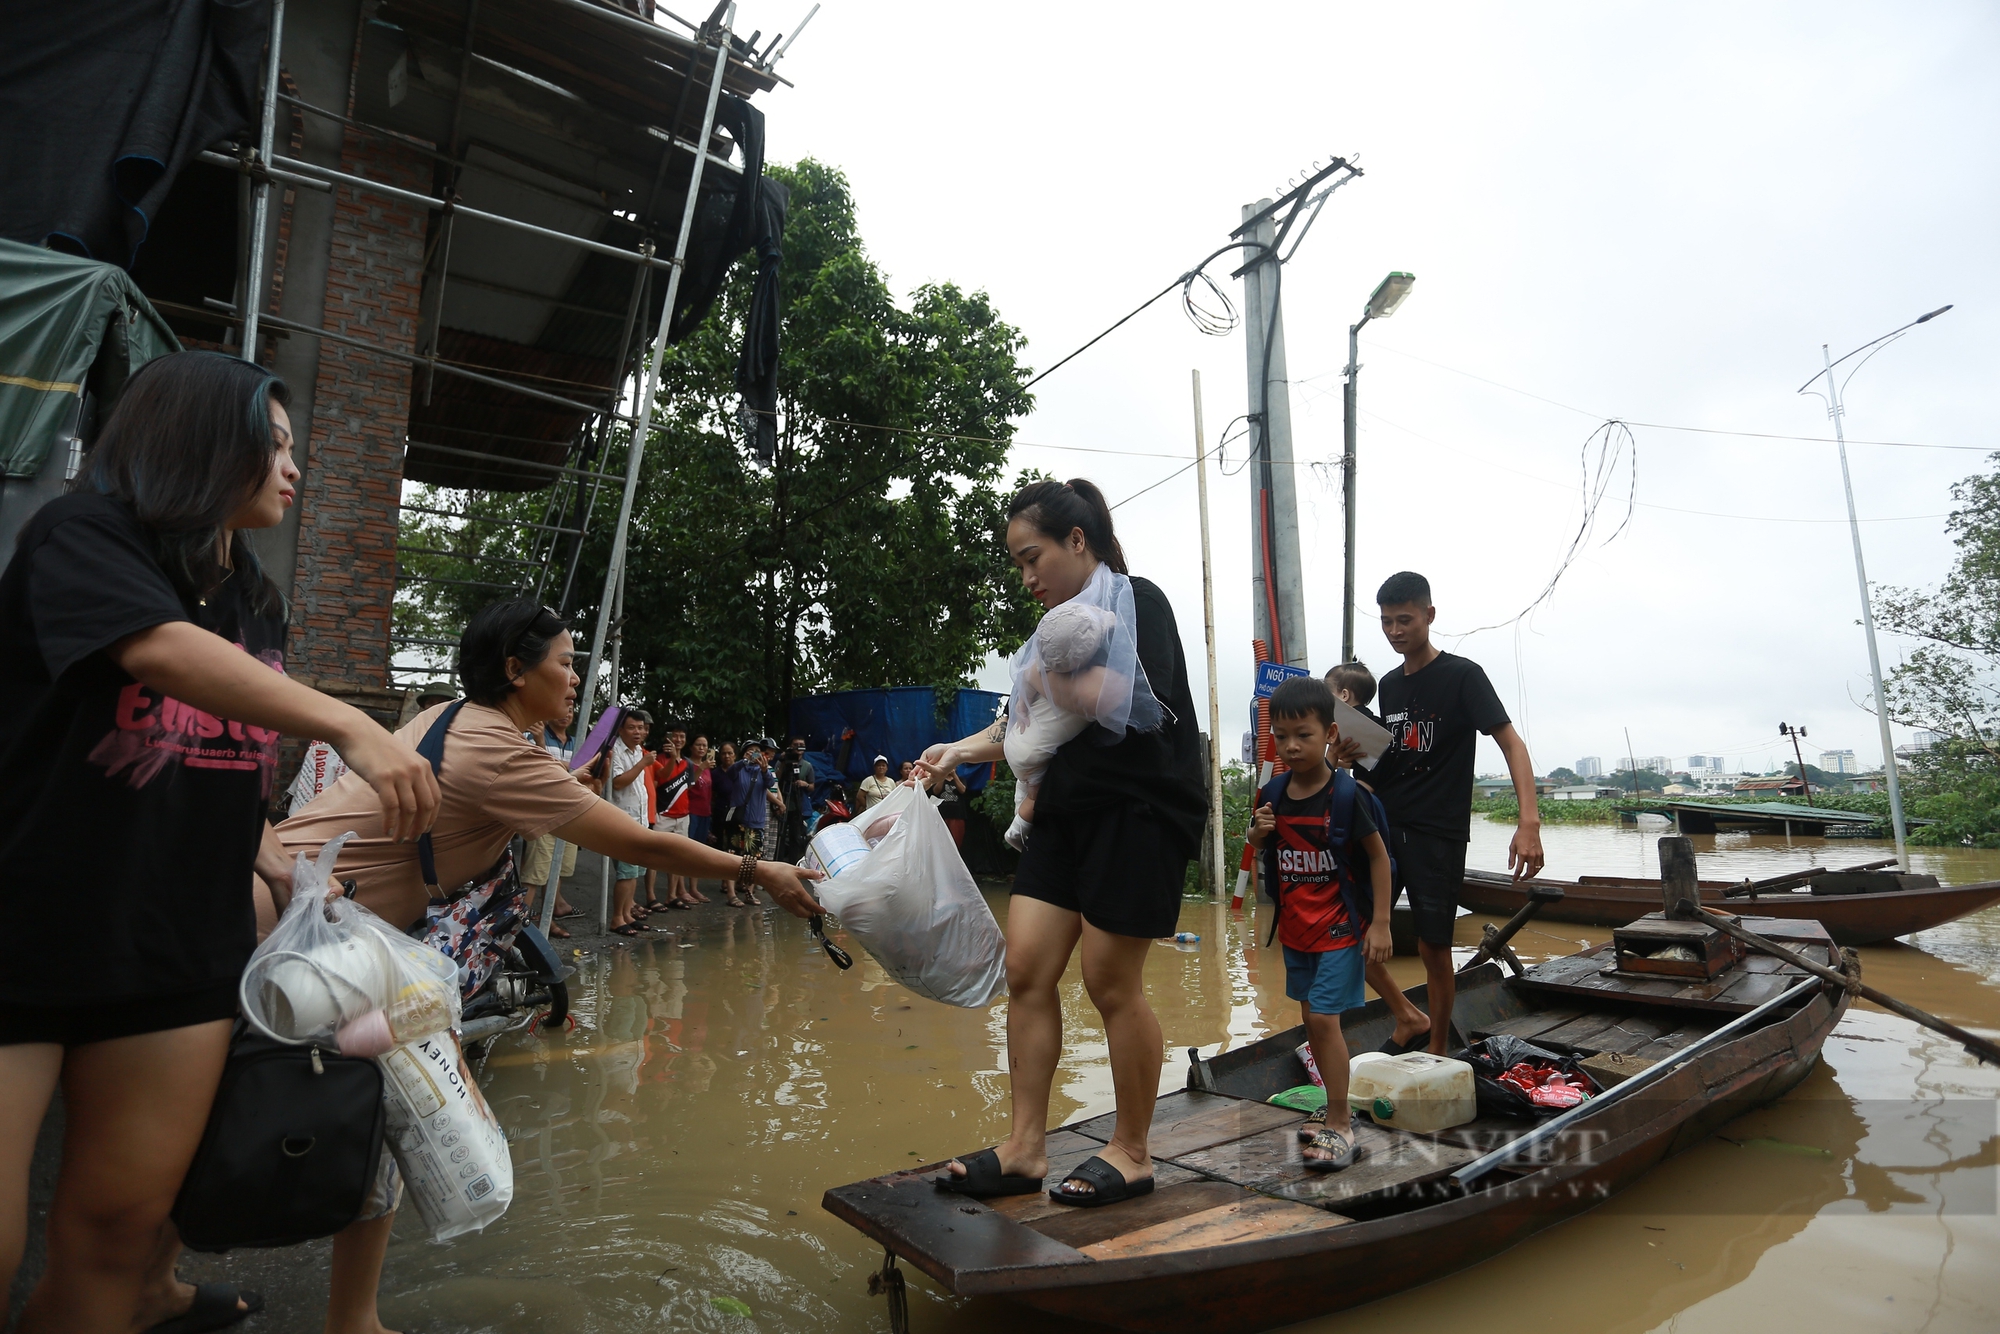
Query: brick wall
(351, 492)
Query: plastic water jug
(1414, 1091)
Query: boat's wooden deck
(1749, 984)
(1226, 1169)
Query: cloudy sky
(1655, 213)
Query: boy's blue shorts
(1328, 981)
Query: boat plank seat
(1736, 991)
(1251, 1218)
(1273, 1163)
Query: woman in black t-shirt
(1116, 821)
(145, 694)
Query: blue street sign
(1271, 675)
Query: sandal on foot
(1314, 1123)
(573, 912)
(214, 1308)
(629, 929)
(1417, 1042)
(1339, 1149)
(983, 1178)
(1107, 1185)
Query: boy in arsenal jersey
(1326, 945)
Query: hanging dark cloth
(102, 104)
(757, 368)
(746, 213)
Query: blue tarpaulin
(844, 732)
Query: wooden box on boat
(1635, 945)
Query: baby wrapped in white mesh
(1081, 666)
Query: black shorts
(1122, 869)
(1431, 870)
(101, 1021)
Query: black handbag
(291, 1149)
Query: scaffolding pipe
(445, 366)
(431, 202)
(261, 214)
(635, 453)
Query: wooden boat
(1852, 919)
(1239, 1235)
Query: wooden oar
(1978, 1046)
(1791, 878)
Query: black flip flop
(214, 1308)
(1107, 1185)
(983, 1178)
(1417, 1042)
(564, 916)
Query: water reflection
(671, 1150)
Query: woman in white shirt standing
(876, 786)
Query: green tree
(1950, 682)
(866, 553)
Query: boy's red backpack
(1354, 892)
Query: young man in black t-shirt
(1435, 705)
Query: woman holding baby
(1101, 737)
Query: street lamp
(1837, 412)
(1388, 296)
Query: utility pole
(1277, 584)
(1795, 733)
(1216, 851)
(1632, 764)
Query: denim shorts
(1328, 981)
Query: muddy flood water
(671, 1151)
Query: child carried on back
(1080, 667)
(1326, 864)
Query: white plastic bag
(916, 909)
(332, 972)
(451, 1149)
(330, 963)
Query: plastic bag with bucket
(912, 904)
(334, 974)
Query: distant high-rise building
(1590, 766)
(1838, 762)
(1704, 764)
(1921, 739)
(1659, 764)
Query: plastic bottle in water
(1186, 938)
